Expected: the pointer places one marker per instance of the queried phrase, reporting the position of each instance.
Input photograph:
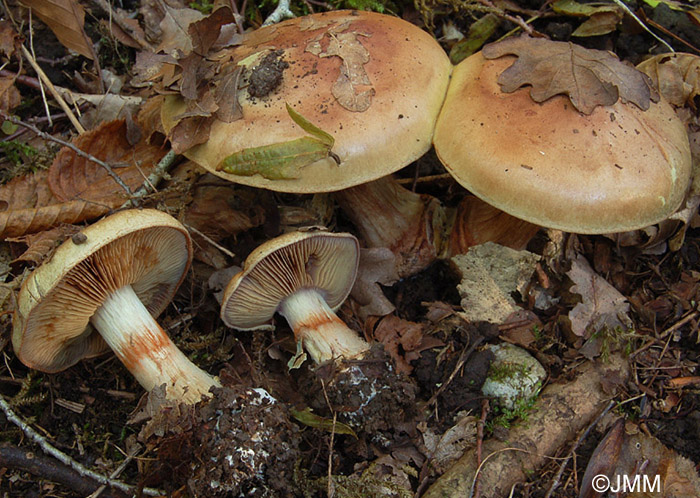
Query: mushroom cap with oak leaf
(619, 168)
(374, 82)
(101, 292)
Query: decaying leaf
(446, 448)
(490, 275)
(174, 28)
(282, 160)
(66, 18)
(72, 177)
(30, 207)
(677, 76)
(9, 95)
(403, 341)
(42, 244)
(602, 305)
(309, 418)
(589, 77)
(351, 88)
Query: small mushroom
(619, 168)
(103, 294)
(304, 276)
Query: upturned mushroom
(102, 292)
(618, 168)
(304, 276)
(372, 83)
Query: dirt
(267, 75)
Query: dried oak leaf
(72, 177)
(589, 77)
(174, 29)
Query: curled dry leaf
(677, 76)
(73, 178)
(403, 341)
(589, 77)
(42, 244)
(66, 18)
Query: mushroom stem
(323, 335)
(388, 215)
(146, 350)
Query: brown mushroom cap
(618, 169)
(406, 69)
(145, 248)
(324, 261)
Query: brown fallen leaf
(28, 206)
(42, 244)
(602, 305)
(403, 341)
(677, 76)
(66, 18)
(604, 459)
(73, 178)
(9, 95)
(174, 28)
(590, 78)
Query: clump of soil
(454, 374)
(241, 442)
(366, 393)
(267, 76)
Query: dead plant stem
(45, 79)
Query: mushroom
(103, 293)
(304, 276)
(619, 168)
(375, 84)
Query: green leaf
(477, 35)
(298, 359)
(310, 419)
(282, 160)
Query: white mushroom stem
(146, 350)
(323, 335)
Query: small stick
(624, 7)
(576, 445)
(75, 149)
(152, 180)
(43, 443)
(480, 441)
(281, 12)
(45, 468)
(45, 79)
(208, 239)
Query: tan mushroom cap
(407, 70)
(145, 248)
(618, 169)
(324, 261)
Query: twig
(480, 441)
(45, 468)
(75, 149)
(624, 7)
(514, 19)
(582, 437)
(281, 12)
(208, 239)
(45, 79)
(152, 180)
(44, 100)
(65, 459)
(460, 363)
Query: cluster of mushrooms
(386, 92)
